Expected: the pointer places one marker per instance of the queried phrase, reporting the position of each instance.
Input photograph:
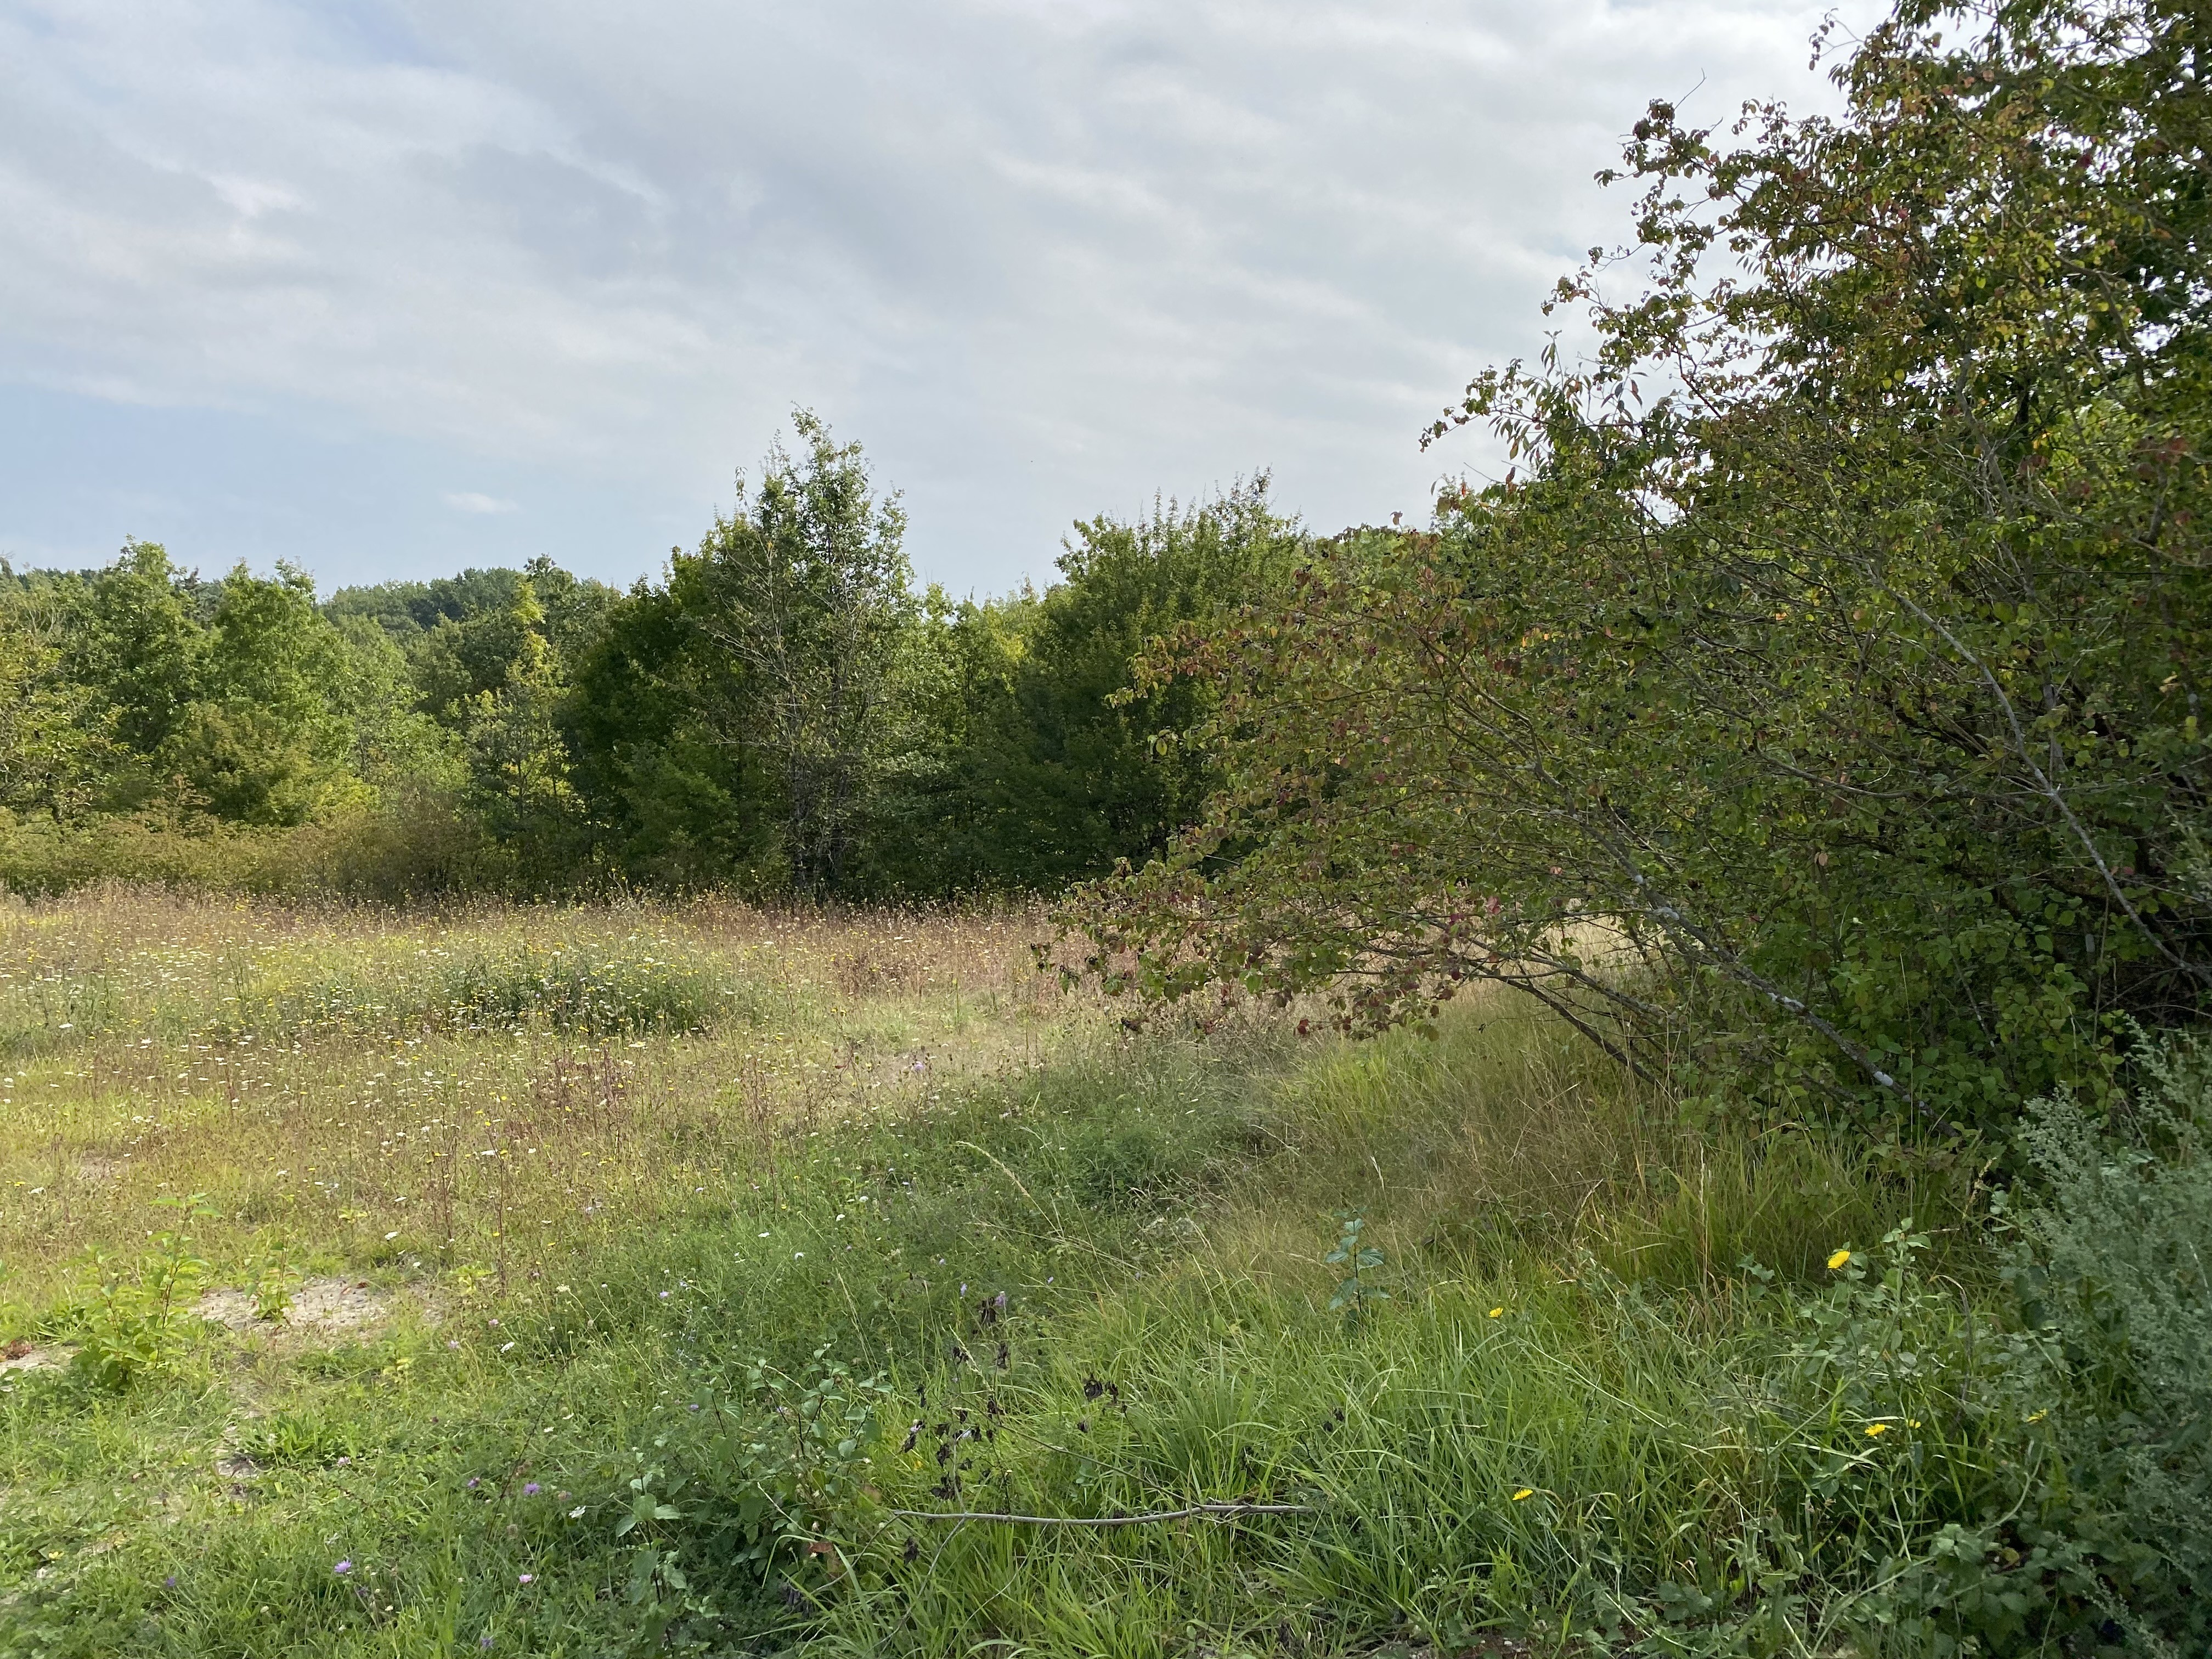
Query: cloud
(1042, 256)
(468, 501)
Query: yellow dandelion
(1525, 1491)
(1874, 1430)
(1498, 1313)
(2037, 1417)
(1838, 1259)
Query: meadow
(694, 1278)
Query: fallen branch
(1219, 1511)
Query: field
(691, 1278)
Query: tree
(805, 587)
(268, 738)
(53, 738)
(1063, 761)
(1815, 710)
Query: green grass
(1577, 1419)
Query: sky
(387, 289)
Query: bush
(589, 989)
(2114, 1258)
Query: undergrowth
(1410, 1342)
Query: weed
(1356, 1291)
(137, 1321)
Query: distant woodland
(783, 710)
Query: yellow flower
(1525, 1491)
(1838, 1259)
(1498, 1313)
(1875, 1430)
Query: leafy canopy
(1815, 710)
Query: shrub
(2114, 1257)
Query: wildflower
(388, 1237)
(664, 1296)
(530, 1490)
(1498, 1313)
(504, 1346)
(2037, 1417)
(342, 1568)
(170, 1583)
(1875, 1430)
(576, 1514)
(1525, 1491)
(452, 1344)
(1839, 1260)
(560, 1290)
(484, 1641)
(525, 1579)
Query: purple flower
(484, 1641)
(342, 1568)
(473, 1482)
(170, 1583)
(530, 1490)
(525, 1579)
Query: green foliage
(776, 1477)
(2113, 1258)
(1809, 716)
(52, 740)
(1359, 1260)
(780, 713)
(1061, 761)
(805, 587)
(616, 988)
(140, 1320)
(307, 1439)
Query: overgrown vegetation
(782, 714)
(618, 1343)
(1814, 715)
(1624, 1074)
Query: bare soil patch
(323, 1306)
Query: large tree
(1815, 710)
(804, 585)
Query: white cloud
(1042, 257)
(468, 501)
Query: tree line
(782, 710)
(1815, 712)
